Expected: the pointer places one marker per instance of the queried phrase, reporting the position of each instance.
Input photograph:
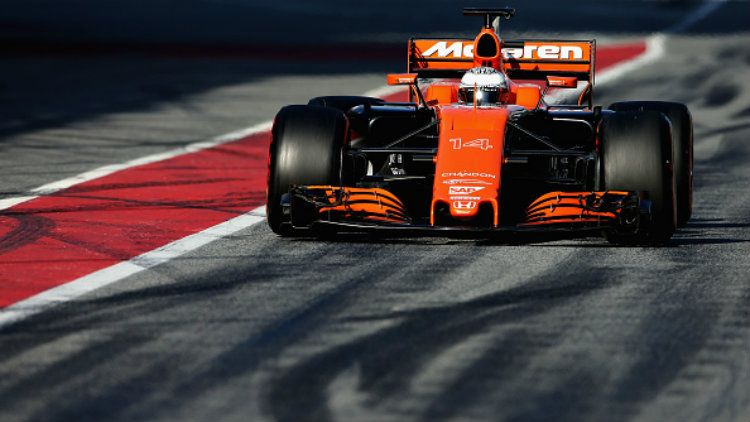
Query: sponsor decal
(464, 190)
(469, 174)
(464, 205)
(459, 49)
(465, 181)
(465, 198)
(481, 143)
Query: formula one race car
(498, 136)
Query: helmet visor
(483, 95)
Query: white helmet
(484, 83)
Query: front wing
(377, 209)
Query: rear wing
(523, 59)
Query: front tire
(682, 138)
(636, 154)
(306, 149)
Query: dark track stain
(743, 113)
(727, 53)
(694, 80)
(720, 95)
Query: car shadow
(698, 231)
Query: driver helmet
(487, 84)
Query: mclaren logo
(465, 49)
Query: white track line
(110, 275)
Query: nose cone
(468, 164)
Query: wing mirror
(407, 79)
(562, 81)
(401, 78)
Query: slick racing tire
(682, 138)
(306, 149)
(344, 102)
(636, 154)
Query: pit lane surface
(254, 327)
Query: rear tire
(682, 138)
(306, 149)
(636, 154)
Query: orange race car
(499, 136)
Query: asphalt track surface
(255, 327)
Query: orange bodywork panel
(527, 96)
(468, 162)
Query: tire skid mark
(31, 224)
(135, 210)
(229, 203)
(28, 229)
